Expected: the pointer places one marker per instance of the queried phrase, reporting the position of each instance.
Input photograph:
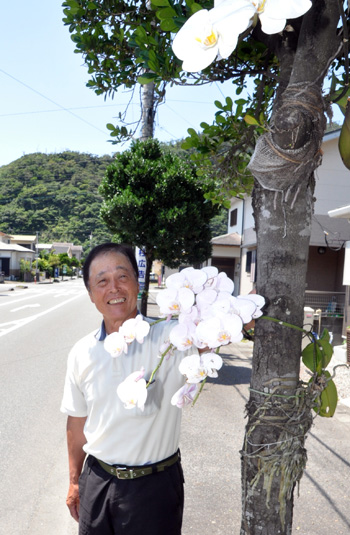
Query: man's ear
(91, 298)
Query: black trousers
(149, 505)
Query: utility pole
(37, 276)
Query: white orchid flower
(208, 34)
(273, 14)
(185, 395)
(212, 274)
(191, 278)
(222, 305)
(173, 301)
(216, 332)
(258, 301)
(191, 316)
(115, 344)
(207, 297)
(132, 391)
(181, 336)
(212, 362)
(135, 328)
(214, 33)
(224, 283)
(197, 367)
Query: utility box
(308, 324)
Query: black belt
(133, 472)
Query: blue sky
(41, 77)
(45, 105)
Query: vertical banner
(346, 273)
(141, 264)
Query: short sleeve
(73, 401)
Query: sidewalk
(212, 436)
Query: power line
(53, 102)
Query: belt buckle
(124, 473)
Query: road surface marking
(16, 324)
(25, 306)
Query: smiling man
(124, 465)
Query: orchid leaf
(342, 102)
(317, 355)
(328, 398)
(344, 138)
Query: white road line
(24, 321)
(13, 301)
(35, 305)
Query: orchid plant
(208, 317)
(210, 34)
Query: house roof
(227, 239)
(330, 231)
(43, 246)
(22, 237)
(343, 212)
(14, 247)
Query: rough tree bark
(279, 415)
(147, 118)
(147, 131)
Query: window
(250, 265)
(233, 217)
(248, 262)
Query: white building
(325, 289)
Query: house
(10, 258)
(68, 248)
(24, 241)
(344, 213)
(45, 248)
(324, 285)
(226, 256)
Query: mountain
(56, 195)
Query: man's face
(113, 288)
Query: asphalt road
(34, 343)
(38, 325)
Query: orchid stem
(280, 322)
(199, 391)
(159, 365)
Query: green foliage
(124, 43)
(153, 199)
(54, 194)
(316, 357)
(25, 265)
(344, 138)
(218, 224)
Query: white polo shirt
(114, 434)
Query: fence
(330, 303)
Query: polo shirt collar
(101, 333)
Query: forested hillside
(54, 194)
(57, 195)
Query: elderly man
(131, 482)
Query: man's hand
(72, 500)
(76, 455)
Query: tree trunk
(273, 455)
(147, 131)
(283, 164)
(148, 111)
